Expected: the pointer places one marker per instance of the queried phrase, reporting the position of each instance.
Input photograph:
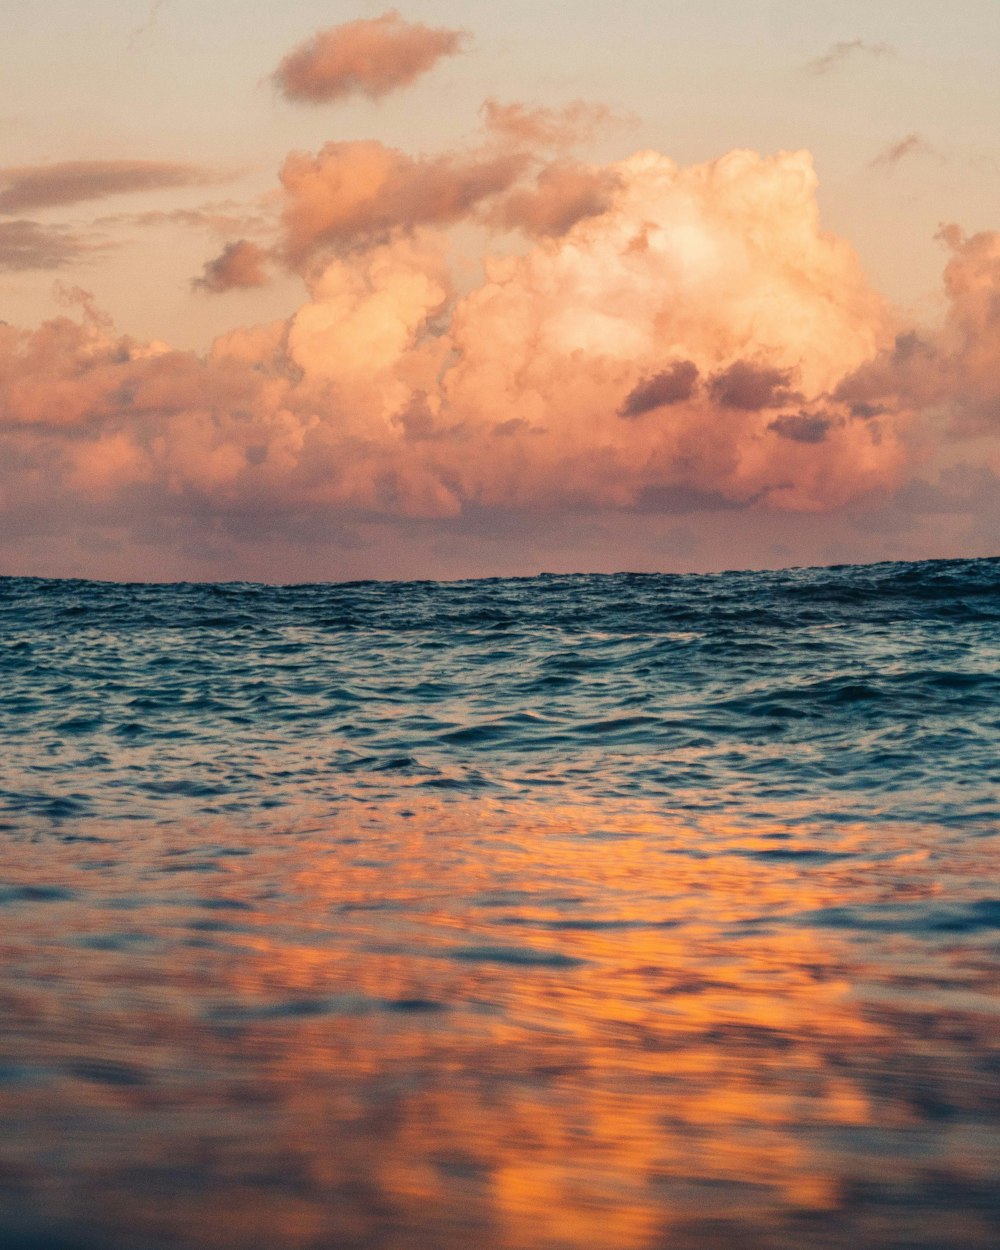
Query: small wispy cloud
(838, 53)
(909, 145)
(147, 25)
(70, 182)
(26, 245)
(225, 217)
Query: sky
(322, 291)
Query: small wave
(827, 684)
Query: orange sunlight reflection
(449, 1025)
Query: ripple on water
(564, 912)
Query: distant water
(572, 913)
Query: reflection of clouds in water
(461, 1022)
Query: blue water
(571, 911)
(871, 692)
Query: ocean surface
(631, 912)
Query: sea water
(627, 912)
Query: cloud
(33, 187)
(670, 386)
(951, 371)
(28, 245)
(910, 145)
(752, 386)
(238, 266)
(353, 193)
(801, 427)
(386, 395)
(530, 126)
(847, 50)
(693, 344)
(223, 217)
(145, 27)
(369, 57)
(563, 193)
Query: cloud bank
(660, 340)
(705, 301)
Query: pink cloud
(225, 217)
(28, 245)
(759, 371)
(563, 194)
(31, 187)
(524, 125)
(370, 57)
(954, 368)
(357, 192)
(238, 266)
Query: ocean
(634, 912)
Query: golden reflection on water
(457, 1025)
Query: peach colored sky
(343, 292)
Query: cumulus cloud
(369, 57)
(846, 50)
(31, 187)
(953, 369)
(693, 342)
(667, 340)
(388, 395)
(238, 266)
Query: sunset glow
(522, 345)
(499, 603)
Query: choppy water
(635, 912)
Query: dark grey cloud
(751, 387)
(671, 386)
(802, 427)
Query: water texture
(635, 911)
